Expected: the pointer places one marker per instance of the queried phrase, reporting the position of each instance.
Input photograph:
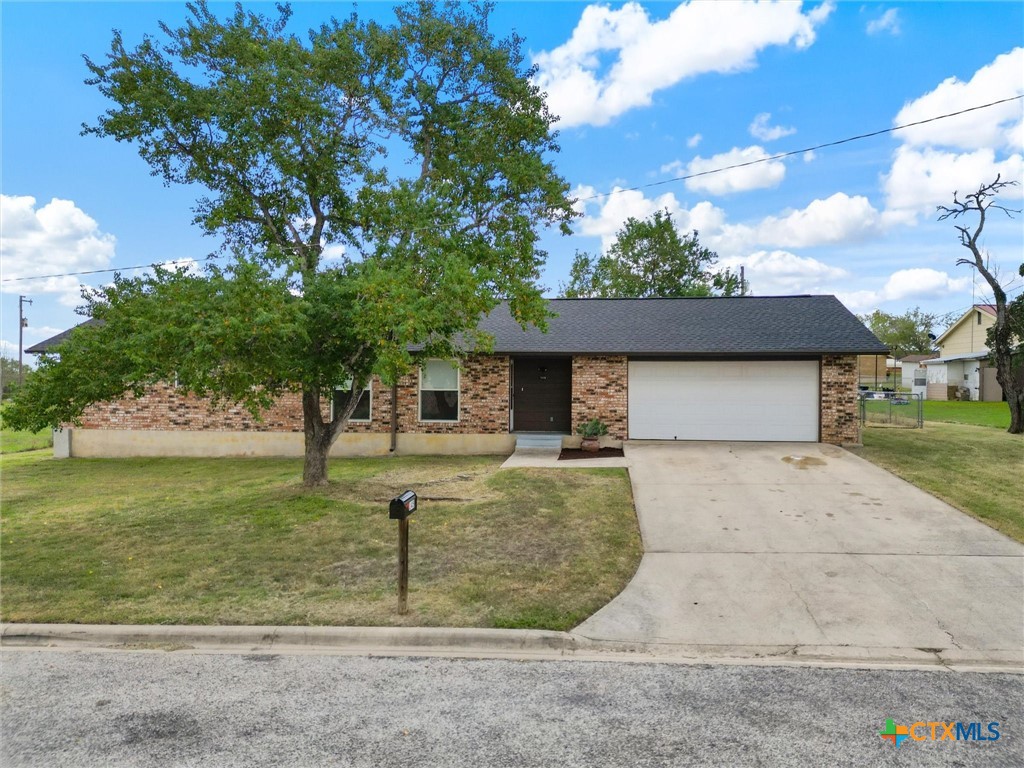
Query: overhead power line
(781, 155)
(166, 264)
(620, 190)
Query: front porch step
(538, 440)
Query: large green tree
(375, 187)
(650, 258)
(1003, 338)
(910, 333)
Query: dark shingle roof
(46, 344)
(749, 325)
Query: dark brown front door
(542, 394)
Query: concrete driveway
(765, 549)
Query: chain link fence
(891, 409)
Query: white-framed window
(342, 392)
(439, 391)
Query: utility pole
(22, 324)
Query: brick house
(779, 368)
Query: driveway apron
(756, 549)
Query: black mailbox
(402, 506)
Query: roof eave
(693, 353)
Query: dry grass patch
(977, 469)
(241, 542)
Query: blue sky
(646, 93)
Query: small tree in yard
(1004, 337)
(377, 187)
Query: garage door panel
(724, 400)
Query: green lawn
(980, 414)
(976, 469)
(14, 442)
(239, 541)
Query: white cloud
(919, 180)
(887, 22)
(958, 153)
(650, 56)
(907, 284)
(994, 127)
(187, 266)
(694, 140)
(760, 176)
(836, 219)
(9, 349)
(616, 208)
(775, 273)
(605, 216)
(922, 284)
(675, 168)
(810, 156)
(760, 128)
(54, 239)
(333, 252)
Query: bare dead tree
(1001, 339)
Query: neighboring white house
(913, 374)
(962, 370)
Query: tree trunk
(317, 440)
(1016, 414)
(1013, 389)
(1002, 350)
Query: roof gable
(988, 309)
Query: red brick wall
(599, 389)
(163, 408)
(483, 408)
(483, 400)
(840, 419)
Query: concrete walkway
(548, 458)
(760, 549)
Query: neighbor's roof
(748, 325)
(957, 358)
(917, 358)
(46, 344)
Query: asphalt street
(87, 708)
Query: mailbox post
(400, 509)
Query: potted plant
(590, 431)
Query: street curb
(266, 637)
(478, 643)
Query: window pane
(362, 411)
(439, 374)
(439, 406)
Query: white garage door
(725, 400)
